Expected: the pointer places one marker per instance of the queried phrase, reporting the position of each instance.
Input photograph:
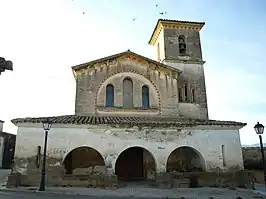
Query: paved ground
(128, 192)
(4, 175)
(11, 195)
(260, 188)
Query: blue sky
(45, 38)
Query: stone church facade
(135, 118)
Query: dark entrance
(185, 159)
(9, 150)
(129, 164)
(83, 157)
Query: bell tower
(177, 44)
(176, 40)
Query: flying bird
(161, 13)
(134, 19)
(156, 4)
(83, 13)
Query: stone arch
(151, 85)
(84, 160)
(128, 93)
(135, 163)
(182, 44)
(128, 78)
(185, 159)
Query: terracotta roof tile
(130, 120)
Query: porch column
(110, 163)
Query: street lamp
(259, 128)
(46, 126)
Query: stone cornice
(184, 61)
(174, 24)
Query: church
(135, 118)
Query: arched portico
(185, 159)
(135, 163)
(85, 160)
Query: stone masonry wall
(138, 82)
(90, 97)
(192, 66)
(192, 40)
(193, 76)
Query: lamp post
(259, 128)
(46, 126)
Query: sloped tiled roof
(128, 52)
(130, 120)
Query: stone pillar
(110, 179)
(163, 179)
(161, 165)
(161, 170)
(110, 164)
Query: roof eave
(74, 119)
(161, 21)
(85, 65)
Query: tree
(5, 65)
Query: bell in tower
(179, 41)
(182, 45)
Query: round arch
(135, 163)
(84, 159)
(185, 159)
(155, 94)
(128, 77)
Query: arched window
(109, 95)
(127, 93)
(145, 97)
(182, 44)
(193, 95)
(185, 92)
